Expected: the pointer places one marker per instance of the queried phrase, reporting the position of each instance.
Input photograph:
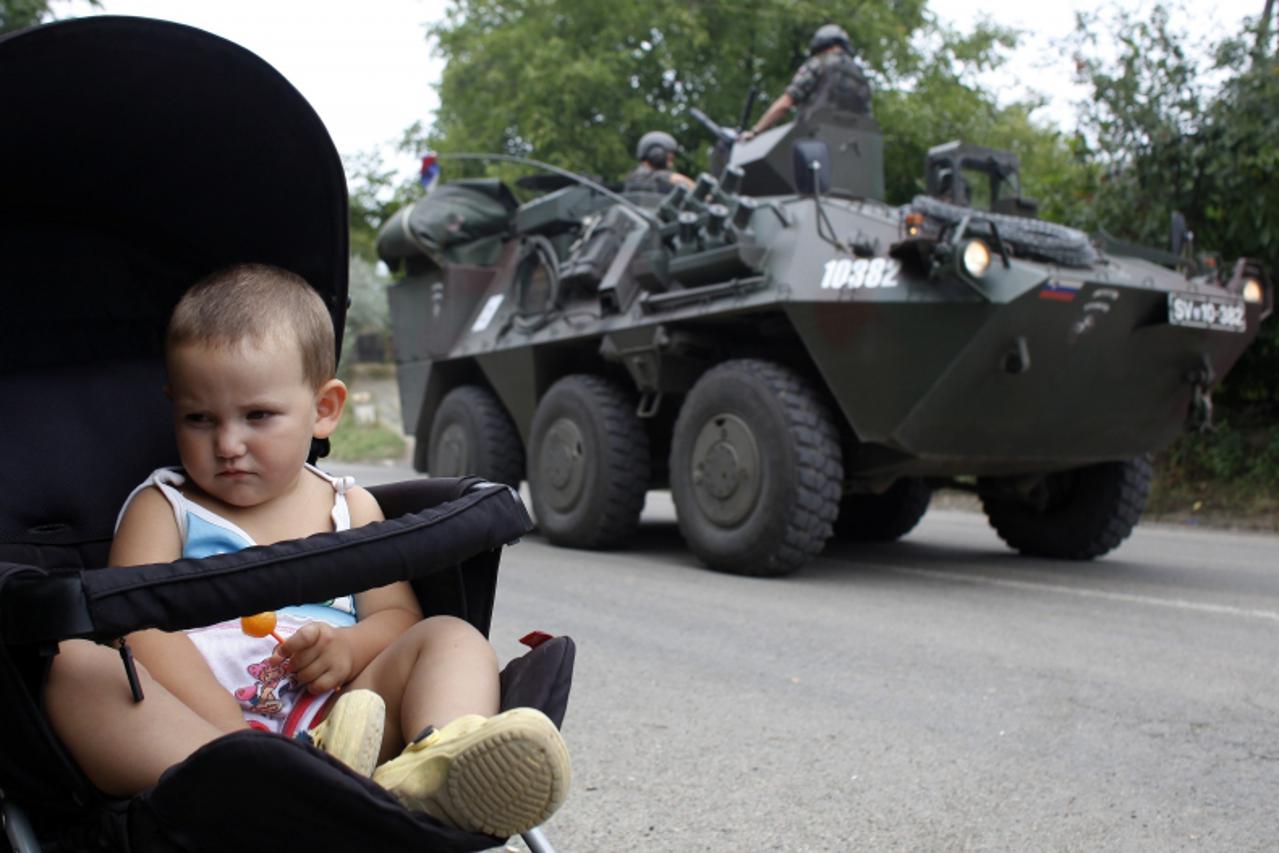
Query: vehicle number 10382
(843, 273)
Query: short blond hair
(257, 302)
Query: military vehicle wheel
(471, 435)
(588, 465)
(755, 469)
(884, 517)
(1074, 515)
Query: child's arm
(149, 534)
(323, 657)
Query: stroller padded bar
(191, 592)
(326, 805)
(36, 605)
(407, 496)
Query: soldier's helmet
(654, 146)
(827, 35)
(649, 142)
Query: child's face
(245, 416)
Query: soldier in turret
(829, 77)
(655, 171)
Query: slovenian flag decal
(1058, 291)
(430, 170)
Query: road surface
(940, 693)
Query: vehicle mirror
(811, 159)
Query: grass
(1228, 478)
(355, 442)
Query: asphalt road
(940, 693)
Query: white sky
(368, 71)
(1040, 65)
(365, 67)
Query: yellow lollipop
(260, 625)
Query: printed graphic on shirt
(271, 684)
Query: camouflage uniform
(832, 78)
(644, 178)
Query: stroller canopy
(137, 156)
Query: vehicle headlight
(914, 224)
(1253, 291)
(975, 258)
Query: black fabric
(269, 791)
(151, 153)
(143, 155)
(541, 679)
(408, 496)
(466, 591)
(58, 428)
(189, 593)
(35, 767)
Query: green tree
(368, 311)
(576, 82)
(1238, 161)
(1147, 106)
(373, 195)
(1170, 128)
(940, 100)
(18, 14)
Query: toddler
(413, 702)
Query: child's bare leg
(440, 669)
(122, 746)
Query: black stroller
(139, 156)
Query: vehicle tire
(1085, 513)
(1035, 237)
(472, 435)
(884, 517)
(755, 469)
(588, 464)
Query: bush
(1229, 476)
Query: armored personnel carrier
(795, 359)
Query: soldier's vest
(642, 179)
(842, 84)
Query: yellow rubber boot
(497, 775)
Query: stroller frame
(98, 239)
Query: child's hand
(318, 656)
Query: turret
(854, 148)
(854, 143)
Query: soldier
(829, 77)
(655, 172)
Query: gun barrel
(751, 95)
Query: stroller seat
(99, 236)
